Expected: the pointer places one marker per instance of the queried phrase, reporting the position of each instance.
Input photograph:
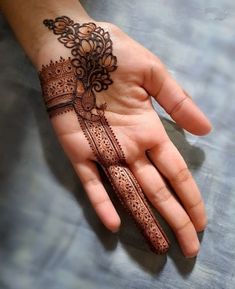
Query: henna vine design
(71, 85)
(93, 61)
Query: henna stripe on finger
(71, 85)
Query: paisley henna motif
(71, 85)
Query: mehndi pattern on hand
(71, 85)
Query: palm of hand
(147, 148)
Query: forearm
(26, 18)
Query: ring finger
(155, 189)
(171, 165)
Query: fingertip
(204, 127)
(201, 225)
(188, 240)
(192, 250)
(198, 217)
(114, 225)
(193, 119)
(111, 219)
(208, 128)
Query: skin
(150, 154)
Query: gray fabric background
(50, 236)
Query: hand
(148, 150)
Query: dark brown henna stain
(70, 85)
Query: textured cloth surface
(50, 236)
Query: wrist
(48, 47)
(26, 19)
(52, 49)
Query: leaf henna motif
(71, 85)
(91, 47)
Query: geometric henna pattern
(71, 85)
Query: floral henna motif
(93, 60)
(71, 85)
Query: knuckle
(177, 106)
(162, 195)
(164, 146)
(195, 205)
(91, 182)
(183, 226)
(156, 66)
(156, 70)
(182, 176)
(98, 203)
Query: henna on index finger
(71, 85)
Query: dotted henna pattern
(71, 85)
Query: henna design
(93, 61)
(71, 85)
